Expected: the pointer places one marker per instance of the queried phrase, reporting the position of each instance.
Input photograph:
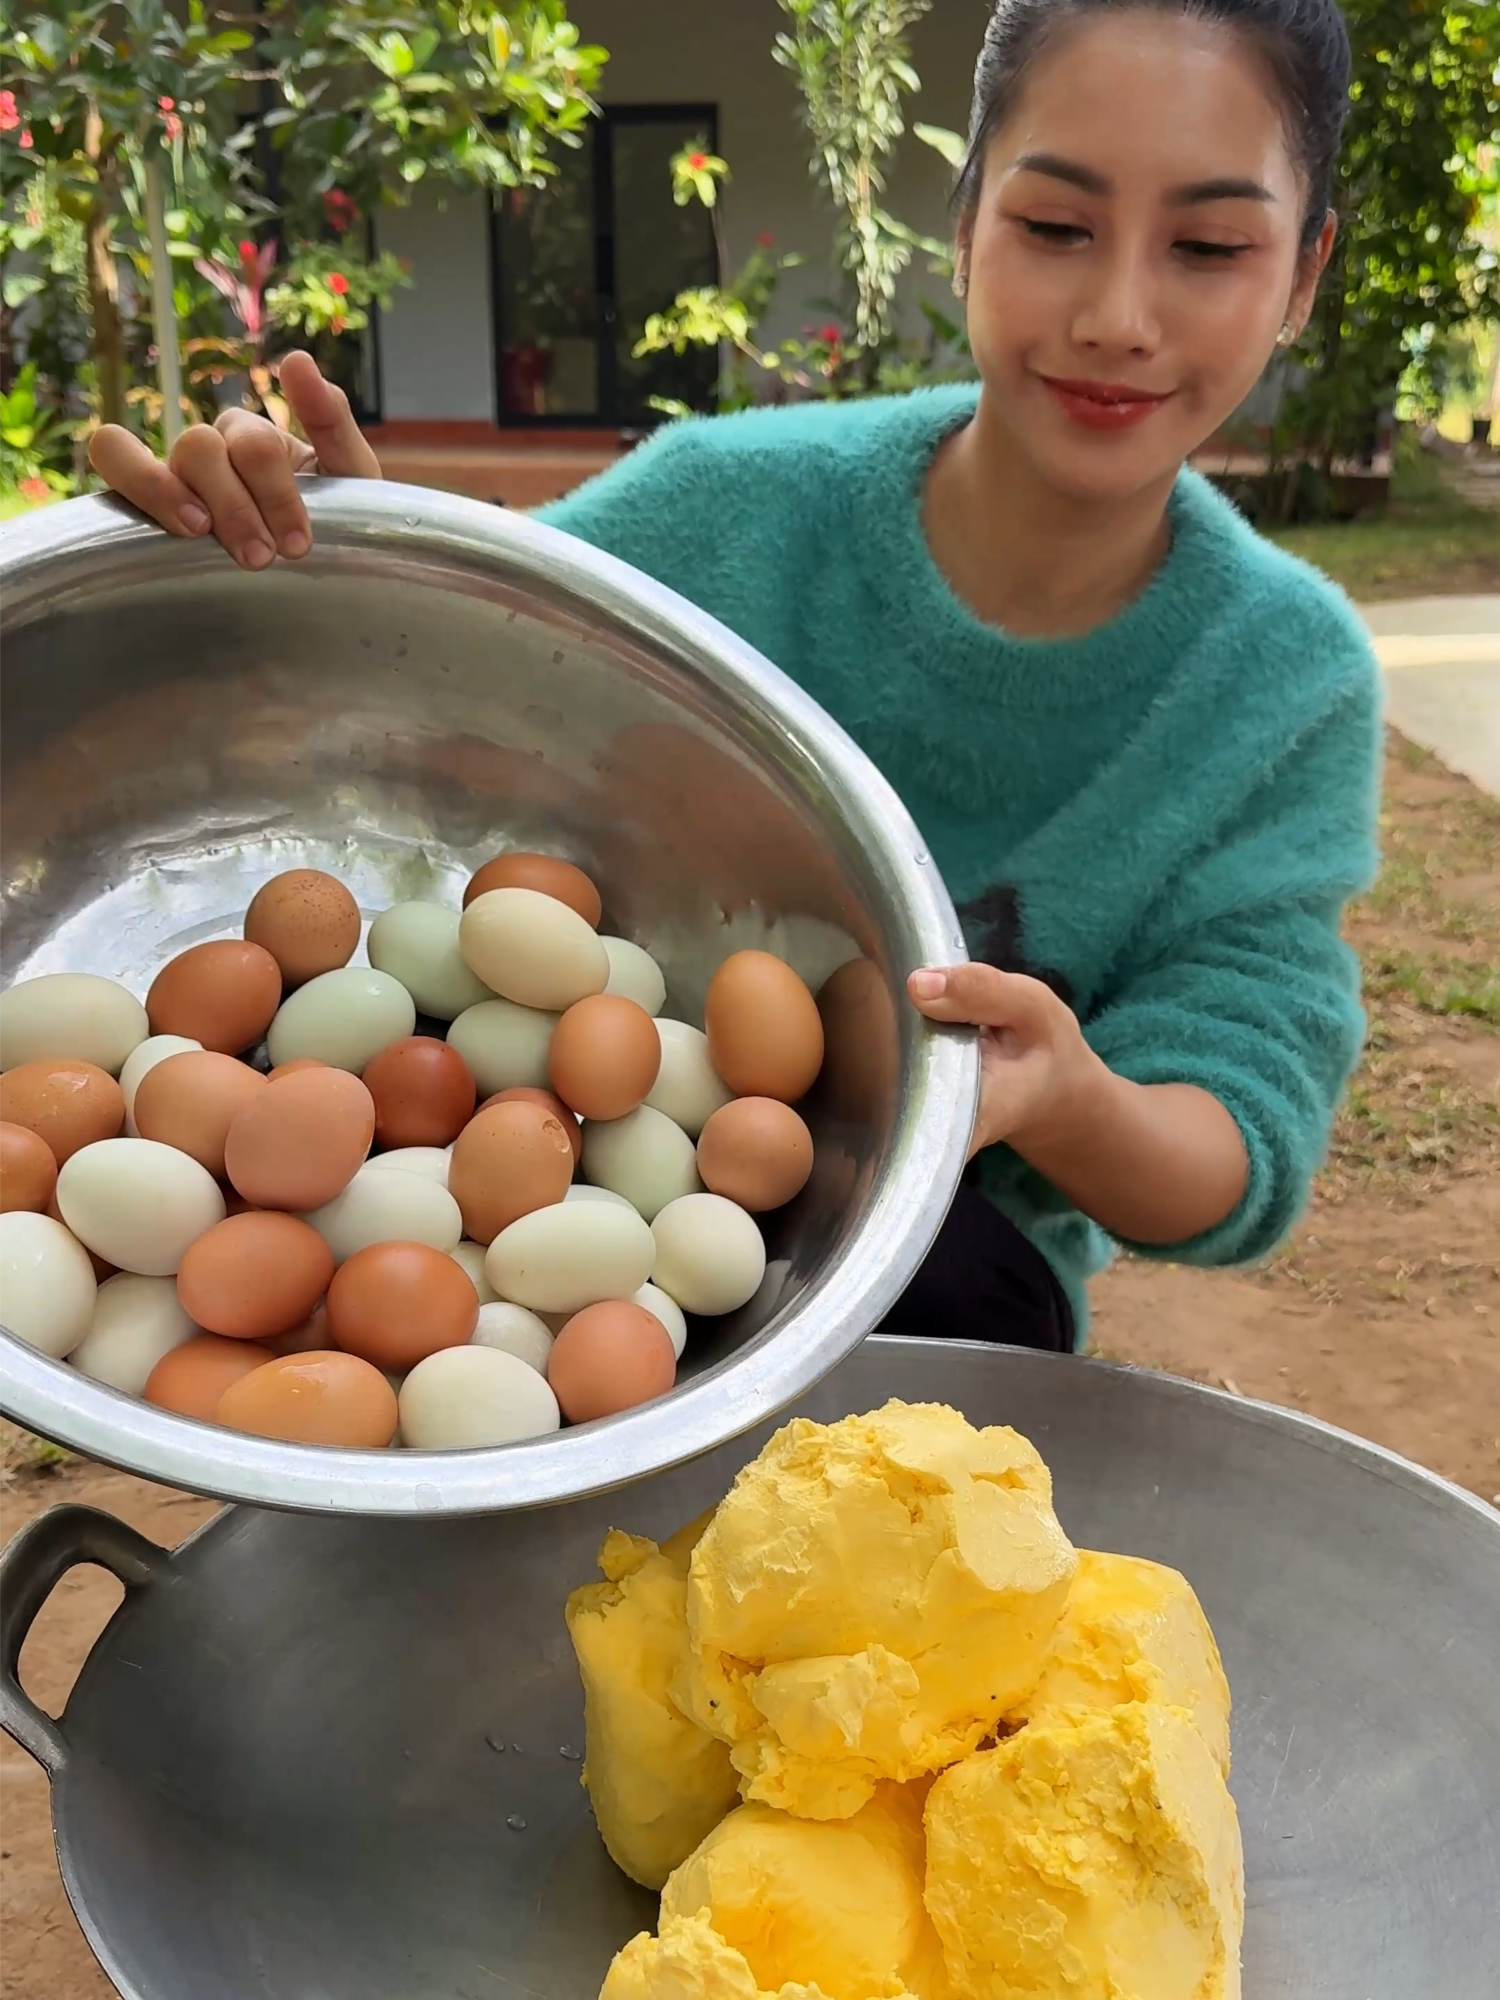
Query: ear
(1310, 268)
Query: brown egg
(423, 1092)
(756, 1152)
(604, 1056)
(527, 1093)
(67, 1104)
(861, 1071)
(101, 1269)
(223, 995)
(306, 920)
(312, 1335)
(28, 1172)
(507, 1161)
(765, 1035)
(393, 1304)
(327, 1398)
(548, 876)
(609, 1358)
(190, 1102)
(251, 1277)
(291, 1068)
(302, 1140)
(192, 1378)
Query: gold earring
(1286, 335)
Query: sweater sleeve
(1247, 989)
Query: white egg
(469, 1256)
(71, 1014)
(138, 1204)
(431, 1162)
(384, 1207)
(136, 1321)
(47, 1286)
(504, 1045)
(635, 975)
(343, 1018)
(656, 1302)
(515, 1331)
(581, 1191)
(463, 1397)
(687, 1090)
(709, 1254)
(642, 1156)
(143, 1058)
(532, 949)
(572, 1255)
(417, 943)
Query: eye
(1064, 234)
(1211, 253)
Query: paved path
(1442, 671)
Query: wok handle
(30, 1570)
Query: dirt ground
(1382, 1314)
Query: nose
(1117, 313)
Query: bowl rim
(94, 543)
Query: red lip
(1103, 406)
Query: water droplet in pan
(573, 1756)
(516, 1823)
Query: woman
(1141, 744)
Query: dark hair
(1303, 43)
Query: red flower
(697, 161)
(831, 335)
(166, 103)
(340, 210)
(336, 324)
(35, 489)
(247, 255)
(765, 239)
(338, 284)
(10, 118)
(24, 142)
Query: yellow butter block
(690, 1961)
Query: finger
(324, 414)
(133, 471)
(266, 460)
(200, 458)
(978, 996)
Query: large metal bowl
(315, 1759)
(437, 680)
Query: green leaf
(413, 170)
(951, 145)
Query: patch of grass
(25, 1456)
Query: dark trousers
(984, 1280)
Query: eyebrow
(1194, 195)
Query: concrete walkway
(1441, 657)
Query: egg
(324, 1399)
(604, 1056)
(28, 1170)
(302, 1140)
(311, 1336)
(252, 1277)
(190, 1379)
(423, 1092)
(47, 1285)
(388, 1207)
(507, 1161)
(644, 1157)
(307, 921)
(765, 1035)
(291, 1068)
(67, 1104)
(138, 1204)
(545, 876)
(561, 1259)
(686, 1089)
(395, 1303)
(861, 1072)
(504, 1045)
(514, 1330)
(581, 1191)
(755, 1152)
(635, 975)
(417, 943)
(532, 950)
(655, 1300)
(465, 1397)
(710, 1256)
(550, 1101)
(143, 1059)
(223, 995)
(344, 1018)
(611, 1357)
(70, 1014)
(469, 1258)
(135, 1322)
(431, 1162)
(190, 1101)
(101, 1269)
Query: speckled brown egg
(301, 1141)
(765, 1035)
(505, 1163)
(423, 1091)
(543, 873)
(252, 1277)
(526, 1093)
(67, 1104)
(326, 1399)
(604, 1056)
(192, 1378)
(190, 1101)
(28, 1172)
(307, 921)
(223, 995)
(608, 1358)
(393, 1304)
(756, 1152)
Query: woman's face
(1133, 252)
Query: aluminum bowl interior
(437, 681)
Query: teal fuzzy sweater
(1163, 819)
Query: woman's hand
(238, 475)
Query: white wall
(436, 342)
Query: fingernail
(929, 985)
(297, 543)
(195, 519)
(255, 555)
